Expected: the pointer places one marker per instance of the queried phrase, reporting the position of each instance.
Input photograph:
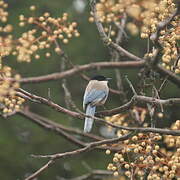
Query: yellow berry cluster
(6, 45)
(169, 40)
(12, 104)
(118, 119)
(26, 47)
(5, 40)
(8, 99)
(144, 16)
(141, 154)
(110, 12)
(169, 36)
(3, 12)
(126, 119)
(173, 141)
(155, 13)
(47, 31)
(5, 28)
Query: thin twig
(91, 174)
(131, 86)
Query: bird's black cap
(100, 78)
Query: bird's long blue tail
(90, 111)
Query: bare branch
(117, 110)
(125, 64)
(131, 86)
(34, 175)
(55, 127)
(86, 67)
(116, 57)
(170, 75)
(89, 147)
(47, 102)
(51, 125)
(134, 100)
(167, 102)
(62, 130)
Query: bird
(96, 94)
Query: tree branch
(89, 147)
(34, 175)
(167, 102)
(86, 67)
(47, 102)
(62, 130)
(55, 127)
(170, 75)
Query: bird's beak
(108, 79)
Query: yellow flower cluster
(141, 153)
(8, 99)
(145, 16)
(47, 31)
(173, 141)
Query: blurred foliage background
(19, 137)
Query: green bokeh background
(19, 137)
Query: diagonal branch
(47, 102)
(106, 39)
(89, 147)
(170, 75)
(62, 130)
(55, 127)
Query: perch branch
(167, 102)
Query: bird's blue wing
(94, 95)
